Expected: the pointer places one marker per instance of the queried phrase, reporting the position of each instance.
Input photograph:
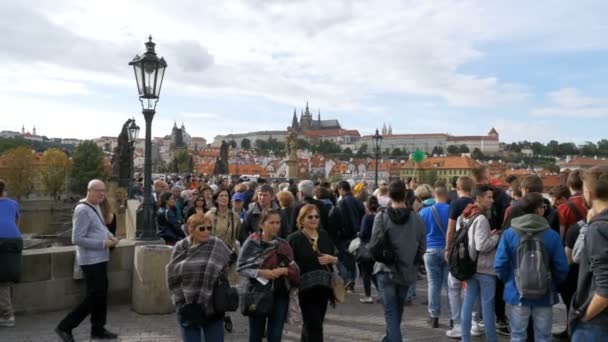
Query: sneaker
(65, 336)
(366, 300)
(455, 332)
(7, 322)
(104, 335)
(502, 327)
(476, 329)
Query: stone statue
(221, 162)
(292, 143)
(123, 158)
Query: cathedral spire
(34, 130)
(23, 129)
(319, 116)
(307, 112)
(174, 124)
(390, 129)
(294, 120)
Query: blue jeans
(586, 332)
(212, 331)
(257, 325)
(437, 271)
(519, 317)
(483, 285)
(393, 296)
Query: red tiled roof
(449, 162)
(586, 161)
(471, 137)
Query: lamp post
(133, 131)
(149, 71)
(377, 142)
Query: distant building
(485, 143)
(581, 163)
(439, 168)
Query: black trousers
(96, 301)
(313, 304)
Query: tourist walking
(519, 272)
(364, 260)
(196, 264)
(11, 246)
(169, 228)
(402, 232)
(226, 227)
(314, 253)
(352, 212)
(92, 240)
(266, 260)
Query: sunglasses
(310, 217)
(203, 228)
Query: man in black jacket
(589, 313)
(352, 212)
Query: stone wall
(47, 282)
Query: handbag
(314, 279)
(338, 289)
(258, 301)
(225, 297)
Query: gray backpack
(532, 275)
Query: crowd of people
(504, 257)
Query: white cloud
(568, 102)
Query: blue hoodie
(506, 259)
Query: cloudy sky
(535, 70)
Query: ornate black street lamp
(149, 72)
(377, 144)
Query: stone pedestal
(292, 169)
(150, 294)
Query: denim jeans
(519, 316)
(437, 271)
(454, 290)
(347, 266)
(275, 322)
(393, 296)
(212, 331)
(483, 285)
(586, 332)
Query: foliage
(437, 150)
(362, 150)
(327, 147)
(57, 168)
(453, 149)
(418, 156)
(347, 152)
(272, 144)
(427, 176)
(477, 154)
(19, 172)
(88, 165)
(182, 163)
(245, 144)
(11, 143)
(463, 149)
(232, 144)
(303, 144)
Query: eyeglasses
(203, 228)
(311, 217)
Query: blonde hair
(285, 199)
(423, 191)
(196, 220)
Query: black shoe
(65, 336)
(434, 322)
(228, 324)
(104, 335)
(451, 324)
(561, 335)
(502, 327)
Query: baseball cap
(238, 196)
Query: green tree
(553, 148)
(11, 143)
(232, 144)
(303, 144)
(453, 149)
(182, 162)
(245, 144)
(397, 152)
(437, 150)
(261, 145)
(362, 150)
(88, 165)
(463, 149)
(55, 173)
(589, 149)
(568, 149)
(477, 154)
(348, 152)
(19, 173)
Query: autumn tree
(19, 171)
(245, 144)
(55, 172)
(88, 165)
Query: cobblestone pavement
(351, 321)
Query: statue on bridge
(122, 162)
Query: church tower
(384, 131)
(34, 130)
(306, 121)
(23, 129)
(294, 121)
(390, 129)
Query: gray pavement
(351, 321)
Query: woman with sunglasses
(267, 257)
(197, 262)
(198, 207)
(226, 227)
(314, 253)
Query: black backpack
(462, 267)
(382, 251)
